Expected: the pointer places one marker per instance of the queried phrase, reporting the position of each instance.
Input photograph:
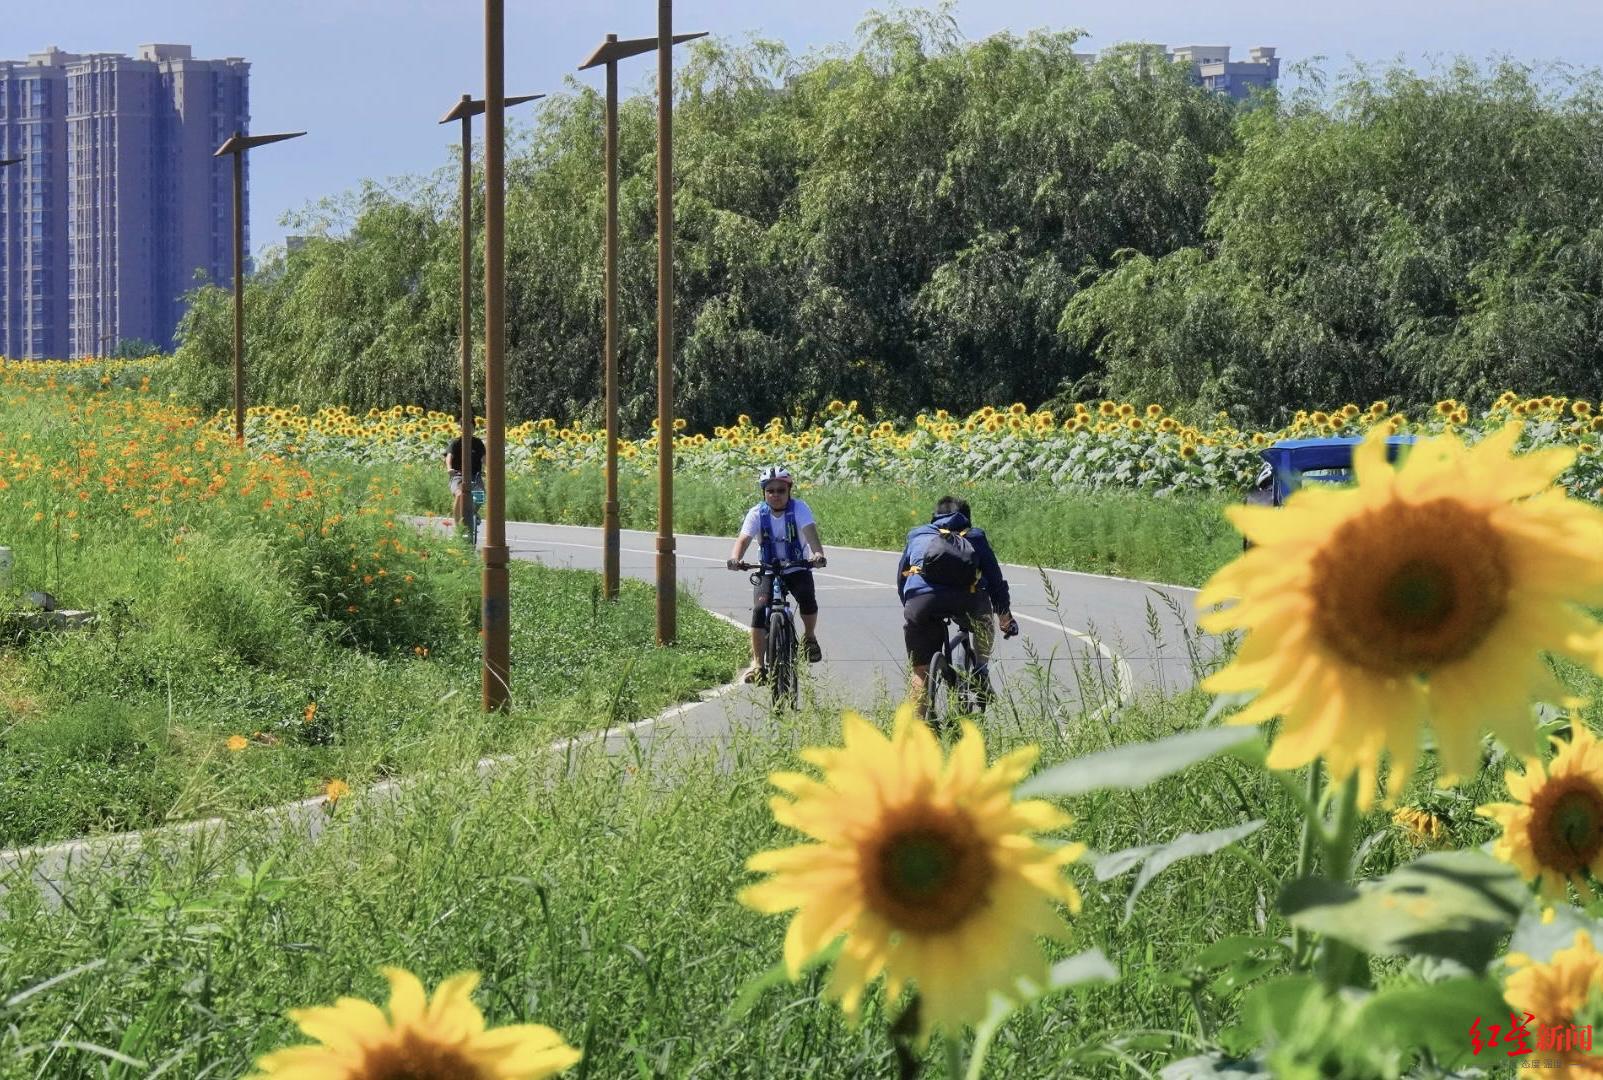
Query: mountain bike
(955, 684)
(475, 511)
(781, 655)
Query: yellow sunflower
(1421, 826)
(1425, 593)
(1553, 834)
(925, 866)
(442, 1037)
(1556, 992)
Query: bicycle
(781, 655)
(954, 674)
(474, 511)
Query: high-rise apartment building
(118, 201)
(1211, 66)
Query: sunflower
(1556, 994)
(1425, 593)
(925, 866)
(1554, 833)
(445, 1037)
(1421, 826)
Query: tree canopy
(921, 221)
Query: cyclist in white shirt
(784, 528)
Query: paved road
(1100, 640)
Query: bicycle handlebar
(781, 564)
(1009, 631)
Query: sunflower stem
(1339, 961)
(904, 1039)
(954, 1056)
(1345, 833)
(1312, 833)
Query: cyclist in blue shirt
(784, 529)
(925, 602)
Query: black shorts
(922, 630)
(798, 584)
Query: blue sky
(369, 78)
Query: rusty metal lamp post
(465, 110)
(236, 145)
(609, 52)
(667, 569)
(497, 631)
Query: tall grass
(287, 609)
(598, 896)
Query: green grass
(122, 728)
(1179, 540)
(233, 613)
(603, 904)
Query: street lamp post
(497, 629)
(667, 571)
(236, 145)
(465, 110)
(609, 53)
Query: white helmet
(775, 472)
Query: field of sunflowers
(1100, 445)
(1094, 445)
(1365, 846)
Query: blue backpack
(793, 550)
(946, 558)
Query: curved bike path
(1089, 641)
(1087, 644)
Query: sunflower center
(1406, 588)
(414, 1058)
(1566, 827)
(926, 869)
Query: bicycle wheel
(782, 661)
(938, 687)
(966, 686)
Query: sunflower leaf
(1155, 860)
(1223, 703)
(1455, 904)
(1087, 967)
(1433, 1017)
(1135, 765)
(1216, 1067)
(1540, 939)
(758, 985)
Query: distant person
(784, 530)
(939, 577)
(453, 468)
